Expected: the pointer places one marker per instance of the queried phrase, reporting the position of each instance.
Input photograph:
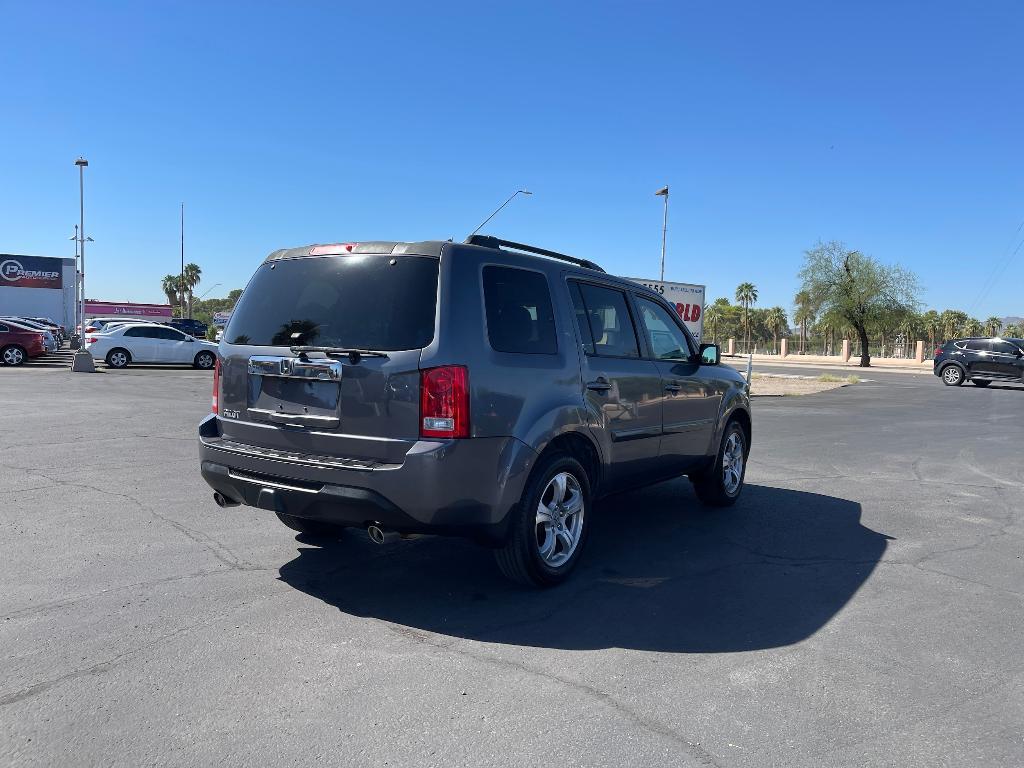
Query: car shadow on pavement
(660, 573)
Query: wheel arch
(582, 448)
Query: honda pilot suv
(485, 389)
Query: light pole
(663, 192)
(181, 285)
(82, 362)
(517, 192)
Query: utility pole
(663, 192)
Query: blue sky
(893, 126)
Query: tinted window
(168, 333)
(380, 302)
(581, 317)
(667, 340)
(519, 317)
(3, 328)
(1004, 348)
(610, 324)
(978, 346)
(141, 332)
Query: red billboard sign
(30, 272)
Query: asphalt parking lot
(861, 605)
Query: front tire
(12, 355)
(952, 376)
(549, 526)
(315, 528)
(723, 483)
(118, 358)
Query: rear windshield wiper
(353, 354)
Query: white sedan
(150, 343)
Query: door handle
(673, 388)
(601, 385)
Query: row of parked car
(120, 342)
(22, 338)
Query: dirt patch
(766, 385)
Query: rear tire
(723, 483)
(952, 376)
(310, 527)
(12, 355)
(204, 360)
(980, 382)
(549, 526)
(118, 358)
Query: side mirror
(190, 338)
(710, 354)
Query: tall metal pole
(664, 234)
(83, 358)
(181, 285)
(78, 280)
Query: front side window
(666, 338)
(609, 322)
(519, 315)
(1004, 348)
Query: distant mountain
(1012, 321)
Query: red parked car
(17, 344)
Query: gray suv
(485, 389)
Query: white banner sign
(686, 298)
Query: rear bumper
(456, 487)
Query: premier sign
(686, 298)
(29, 272)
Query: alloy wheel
(13, 356)
(559, 519)
(732, 464)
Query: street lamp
(76, 341)
(82, 361)
(663, 192)
(517, 192)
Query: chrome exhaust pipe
(380, 535)
(224, 501)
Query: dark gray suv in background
(485, 389)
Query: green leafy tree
(931, 321)
(954, 323)
(746, 296)
(804, 313)
(993, 325)
(858, 288)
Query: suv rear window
(379, 302)
(519, 316)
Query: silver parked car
(487, 389)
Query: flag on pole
(662, 191)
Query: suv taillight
(215, 400)
(444, 402)
(938, 351)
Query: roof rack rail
(487, 241)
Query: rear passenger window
(519, 316)
(609, 323)
(979, 346)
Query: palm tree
(803, 315)
(746, 295)
(777, 321)
(1013, 331)
(973, 327)
(993, 325)
(193, 274)
(170, 285)
(712, 314)
(932, 323)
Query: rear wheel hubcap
(559, 521)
